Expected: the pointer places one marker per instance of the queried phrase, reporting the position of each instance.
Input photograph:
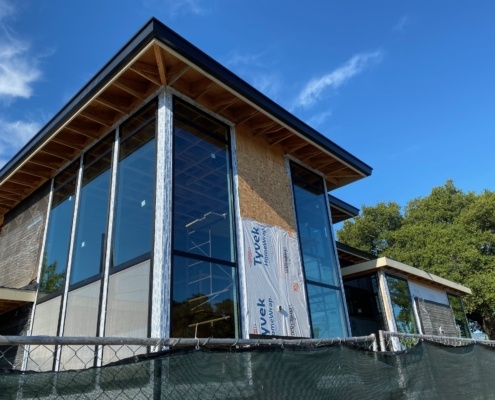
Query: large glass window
(134, 213)
(402, 305)
(364, 305)
(204, 274)
(459, 315)
(89, 245)
(317, 249)
(59, 231)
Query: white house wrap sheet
(275, 282)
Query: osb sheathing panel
(264, 187)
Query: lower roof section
(392, 266)
(10, 299)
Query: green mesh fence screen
(426, 371)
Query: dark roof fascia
(342, 205)
(156, 29)
(356, 252)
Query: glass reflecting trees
(318, 255)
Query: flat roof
(341, 210)
(155, 57)
(395, 266)
(11, 298)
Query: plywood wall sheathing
(265, 193)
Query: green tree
(372, 230)
(449, 233)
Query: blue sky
(407, 87)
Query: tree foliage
(449, 233)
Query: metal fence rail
(396, 341)
(50, 353)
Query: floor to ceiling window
(204, 276)
(320, 263)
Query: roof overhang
(156, 57)
(413, 273)
(10, 299)
(351, 254)
(341, 210)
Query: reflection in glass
(203, 303)
(58, 235)
(402, 305)
(135, 188)
(318, 255)
(459, 315)
(364, 305)
(202, 213)
(314, 228)
(204, 272)
(327, 312)
(93, 213)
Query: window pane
(314, 228)
(202, 198)
(459, 315)
(135, 191)
(364, 305)
(402, 305)
(81, 320)
(57, 242)
(327, 312)
(92, 216)
(203, 299)
(127, 310)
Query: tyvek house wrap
(275, 282)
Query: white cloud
(401, 24)
(175, 8)
(319, 119)
(14, 135)
(18, 66)
(314, 89)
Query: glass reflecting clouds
(92, 217)
(135, 198)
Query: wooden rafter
(127, 86)
(162, 70)
(95, 118)
(112, 104)
(147, 71)
(90, 133)
(9, 195)
(175, 73)
(73, 144)
(260, 128)
(200, 88)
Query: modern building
(169, 198)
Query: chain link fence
(425, 367)
(111, 368)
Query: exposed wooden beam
(162, 70)
(9, 195)
(127, 86)
(263, 127)
(47, 161)
(73, 144)
(147, 71)
(92, 117)
(22, 183)
(175, 73)
(200, 87)
(112, 104)
(88, 133)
